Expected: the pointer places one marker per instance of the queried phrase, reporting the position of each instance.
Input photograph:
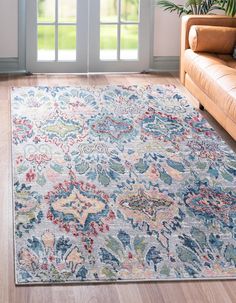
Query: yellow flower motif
(48, 239)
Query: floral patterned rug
(119, 184)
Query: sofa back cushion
(212, 39)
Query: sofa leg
(201, 107)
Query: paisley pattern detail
(211, 203)
(156, 215)
(147, 205)
(163, 126)
(119, 183)
(112, 129)
(77, 206)
(61, 128)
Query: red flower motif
(51, 258)
(30, 176)
(130, 256)
(44, 266)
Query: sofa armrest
(188, 21)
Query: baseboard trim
(165, 64)
(159, 64)
(10, 66)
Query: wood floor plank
(129, 293)
(169, 292)
(214, 292)
(172, 292)
(150, 292)
(230, 289)
(194, 293)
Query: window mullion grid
(119, 30)
(54, 23)
(121, 22)
(56, 31)
(77, 30)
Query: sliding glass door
(88, 35)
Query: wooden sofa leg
(201, 107)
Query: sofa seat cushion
(229, 60)
(215, 75)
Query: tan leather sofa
(210, 77)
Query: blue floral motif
(99, 164)
(162, 125)
(112, 129)
(27, 208)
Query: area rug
(119, 183)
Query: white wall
(167, 32)
(8, 28)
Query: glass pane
(129, 42)
(108, 42)
(67, 11)
(67, 42)
(46, 42)
(130, 10)
(108, 10)
(46, 10)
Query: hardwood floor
(159, 292)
